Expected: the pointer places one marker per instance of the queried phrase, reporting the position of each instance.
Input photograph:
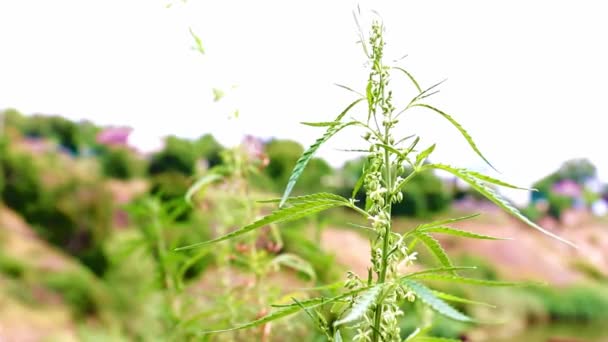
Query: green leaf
(435, 248)
(200, 184)
(360, 180)
(488, 179)
(348, 88)
(472, 281)
(362, 304)
(464, 133)
(456, 299)
(289, 310)
(421, 157)
(412, 146)
(307, 155)
(434, 339)
(495, 198)
(461, 233)
(311, 205)
(198, 43)
(217, 94)
(338, 336)
(296, 263)
(438, 305)
(410, 77)
(446, 221)
(439, 270)
(390, 149)
(321, 124)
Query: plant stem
(388, 180)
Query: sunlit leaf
(307, 155)
(439, 270)
(447, 221)
(290, 310)
(296, 263)
(472, 281)
(495, 198)
(462, 131)
(432, 301)
(456, 299)
(410, 77)
(435, 248)
(421, 157)
(313, 204)
(362, 304)
(460, 233)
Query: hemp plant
(370, 309)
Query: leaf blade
(461, 233)
(496, 199)
(311, 205)
(435, 248)
(461, 129)
(307, 155)
(432, 301)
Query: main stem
(388, 180)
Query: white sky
(526, 78)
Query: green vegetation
(369, 308)
(195, 240)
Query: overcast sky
(526, 78)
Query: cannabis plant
(370, 309)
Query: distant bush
(578, 303)
(121, 163)
(76, 289)
(177, 156)
(74, 215)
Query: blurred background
(110, 112)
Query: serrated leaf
(472, 281)
(427, 92)
(446, 221)
(439, 270)
(488, 179)
(321, 124)
(362, 304)
(307, 198)
(456, 299)
(438, 305)
(307, 155)
(435, 247)
(200, 184)
(462, 131)
(289, 310)
(421, 157)
(461, 233)
(348, 88)
(311, 205)
(296, 263)
(410, 77)
(495, 198)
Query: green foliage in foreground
(369, 308)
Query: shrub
(121, 163)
